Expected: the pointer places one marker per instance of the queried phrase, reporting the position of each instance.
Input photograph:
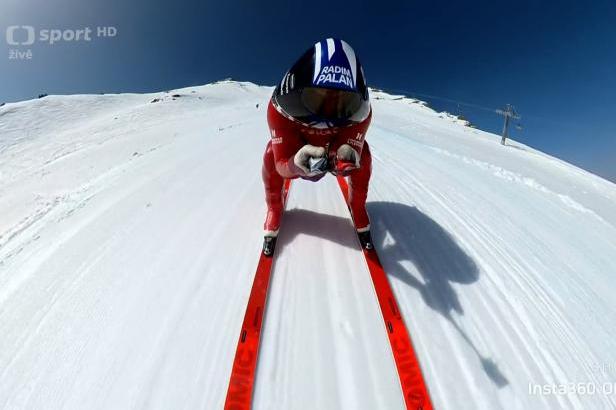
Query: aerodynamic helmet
(326, 87)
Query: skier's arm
(292, 156)
(349, 145)
(292, 162)
(285, 145)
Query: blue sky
(555, 61)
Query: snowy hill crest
(128, 245)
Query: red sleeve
(286, 141)
(353, 135)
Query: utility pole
(508, 112)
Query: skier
(318, 117)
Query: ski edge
(412, 382)
(243, 373)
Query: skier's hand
(347, 160)
(303, 158)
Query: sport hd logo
(21, 37)
(14, 39)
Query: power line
(436, 97)
(534, 118)
(509, 112)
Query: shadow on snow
(405, 238)
(410, 244)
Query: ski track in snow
(130, 232)
(515, 177)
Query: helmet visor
(331, 104)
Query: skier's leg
(358, 190)
(273, 183)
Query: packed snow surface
(130, 229)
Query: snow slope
(130, 231)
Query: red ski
(416, 395)
(242, 381)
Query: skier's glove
(306, 158)
(347, 160)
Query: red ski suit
(288, 136)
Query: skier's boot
(360, 217)
(272, 221)
(365, 239)
(273, 184)
(271, 227)
(358, 192)
(269, 244)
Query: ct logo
(11, 38)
